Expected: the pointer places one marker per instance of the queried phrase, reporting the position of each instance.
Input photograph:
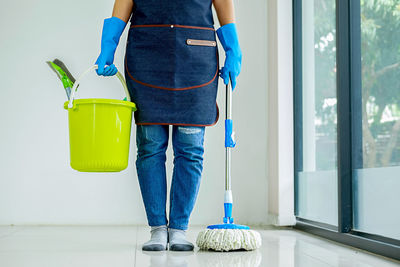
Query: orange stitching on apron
(168, 88)
(182, 124)
(172, 26)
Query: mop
(228, 236)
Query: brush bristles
(228, 239)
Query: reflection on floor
(121, 246)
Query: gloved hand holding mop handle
(228, 37)
(112, 31)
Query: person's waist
(177, 25)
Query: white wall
(280, 114)
(37, 186)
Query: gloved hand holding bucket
(99, 130)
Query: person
(171, 69)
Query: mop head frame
(228, 226)
(228, 237)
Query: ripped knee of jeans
(189, 130)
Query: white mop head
(228, 239)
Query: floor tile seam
(301, 253)
(136, 244)
(343, 250)
(5, 235)
(332, 243)
(346, 248)
(350, 257)
(14, 231)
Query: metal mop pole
(228, 236)
(229, 144)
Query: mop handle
(229, 137)
(229, 144)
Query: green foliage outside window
(380, 48)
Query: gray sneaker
(158, 240)
(177, 240)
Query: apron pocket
(160, 57)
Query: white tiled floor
(117, 246)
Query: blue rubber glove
(228, 37)
(112, 30)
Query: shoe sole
(154, 248)
(180, 247)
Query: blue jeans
(152, 142)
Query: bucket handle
(95, 67)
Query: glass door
(376, 181)
(317, 179)
(347, 121)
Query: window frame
(349, 128)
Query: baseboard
(279, 220)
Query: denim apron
(171, 62)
